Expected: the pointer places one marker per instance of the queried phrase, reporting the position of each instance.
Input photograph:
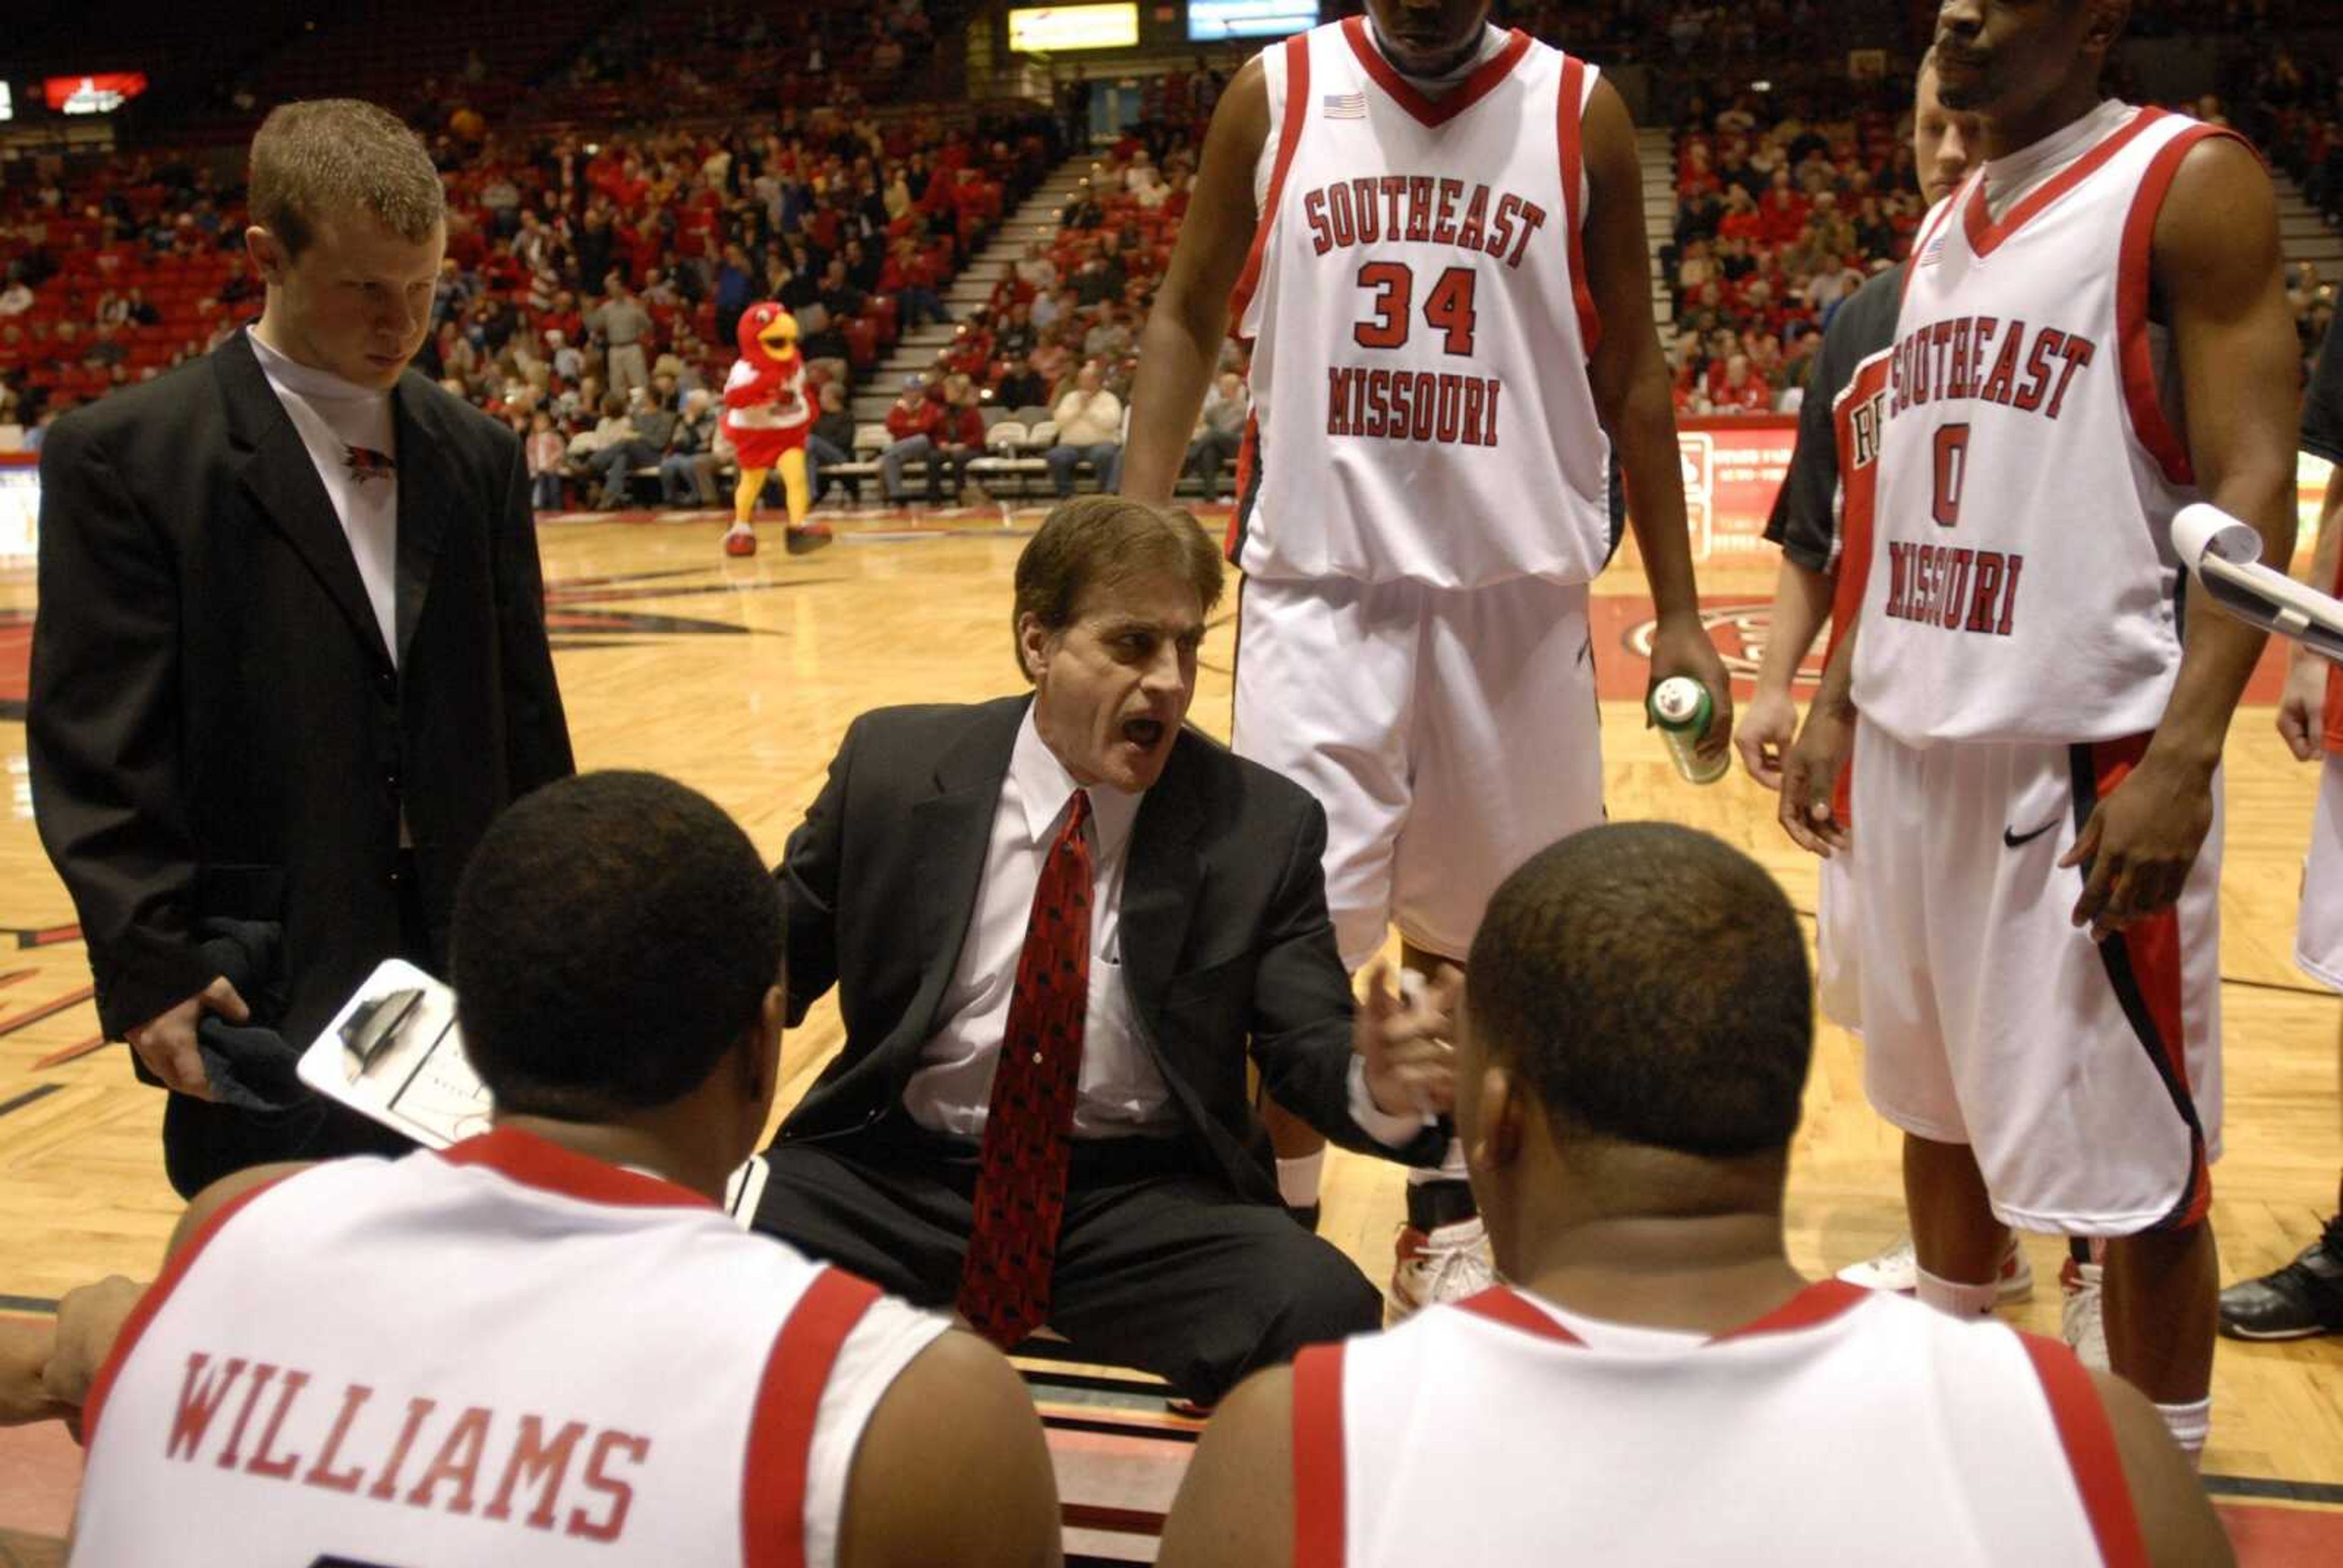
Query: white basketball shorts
(1450, 734)
(2319, 927)
(1838, 945)
(2085, 1076)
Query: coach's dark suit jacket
(1226, 934)
(216, 728)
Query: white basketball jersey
(1849, 1426)
(2024, 585)
(1416, 296)
(797, 413)
(504, 1354)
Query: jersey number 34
(1447, 309)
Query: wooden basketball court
(739, 678)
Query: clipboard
(393, 1054)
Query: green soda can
(1681, 707)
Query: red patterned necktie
(1021, 1185)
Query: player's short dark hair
(614, 936)
(1650, 983)
(1095, 539)
(315, 161)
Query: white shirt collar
(1043, 788)
(308, 380)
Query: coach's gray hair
(312, 161)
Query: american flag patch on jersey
(1346, 105)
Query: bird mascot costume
(768, 416)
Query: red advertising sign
(1731, 468)
(94, 94)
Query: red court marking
(13, 975)
(70, 1053)
(2273, 1537)
(40, 1473)
(47, 1009)
(15, 661)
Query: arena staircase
(915, 352)
(2304, 236)
(1655, 149)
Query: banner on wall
(1732, 469)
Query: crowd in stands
(2289, 101)
(1056, 343)
(592, 286)
(575, 272)
(1782, 211)
(1785, 208)
(729, 58)
(1652, 31)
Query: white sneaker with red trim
(1447, 1263)
(1896, 1269)
(2080, 1321)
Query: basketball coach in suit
(1059, 925)
(291, 655)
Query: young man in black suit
(292, 658)
(1060, 925)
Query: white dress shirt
(1120, 1093)
(333, 417)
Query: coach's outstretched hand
(1411, 1066)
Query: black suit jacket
(216, 728)
(1226, 940)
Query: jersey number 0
(1952, 472)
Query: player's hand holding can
(1680, 646)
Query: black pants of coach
(1160, 1267)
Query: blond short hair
(315, 160)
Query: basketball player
(2305, 1297)
(1821, 527)
(1431, 230)
(547, 1344)
(1656, 1383)
(2093, 333)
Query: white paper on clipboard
(2224, 555)
(393, 1054)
